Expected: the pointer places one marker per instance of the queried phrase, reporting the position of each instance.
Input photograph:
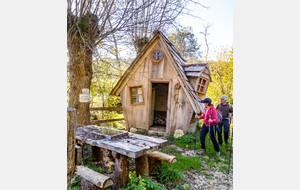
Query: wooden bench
(92, 180)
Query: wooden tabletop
(123, 142)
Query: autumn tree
(222, 75)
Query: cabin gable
(148, 86)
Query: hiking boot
(201, 152)
(218, 154)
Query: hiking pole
(230, 151)
(195, 135)
(209, 136)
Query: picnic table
(122, 145)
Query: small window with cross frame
(201, 87)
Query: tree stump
(121, 170)
(97, 153)
(142, 165)
(152, 164)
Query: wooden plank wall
(138, 116)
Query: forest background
(114, 54)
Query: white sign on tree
(85, 97)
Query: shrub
(187, 139)
(141, 183)
(170, 138)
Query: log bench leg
(142, 165)
(153, 163)
(97, 153)
(78, 155)
(121, 170)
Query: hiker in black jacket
(227, 112)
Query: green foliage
(211, 164)
(168, 175)
(218, 159)
(142, 132)
(74, 183)
(169, 150)
(141, 183)
(87, 147)
(97, 169)
(185, 163)
(170, 138)
(88, 160)
(187, 139)
(118, 125)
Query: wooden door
(152, 107)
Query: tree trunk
(80, 54)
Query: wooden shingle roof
(184, 71)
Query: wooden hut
(159, 91)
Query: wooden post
(78, 159)
(152, 164)
(121, 170)
(142, 165)
(97, 153)
(71, 127)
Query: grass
(185, 163)
(168, 175)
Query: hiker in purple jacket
(227, 113)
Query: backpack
(219, 116)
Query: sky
(220, 15)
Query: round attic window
(157, 56)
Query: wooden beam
(105, 121)
(163, 157)
(149, 139)
(127, 149)
(106, 109)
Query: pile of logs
(160, 120)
